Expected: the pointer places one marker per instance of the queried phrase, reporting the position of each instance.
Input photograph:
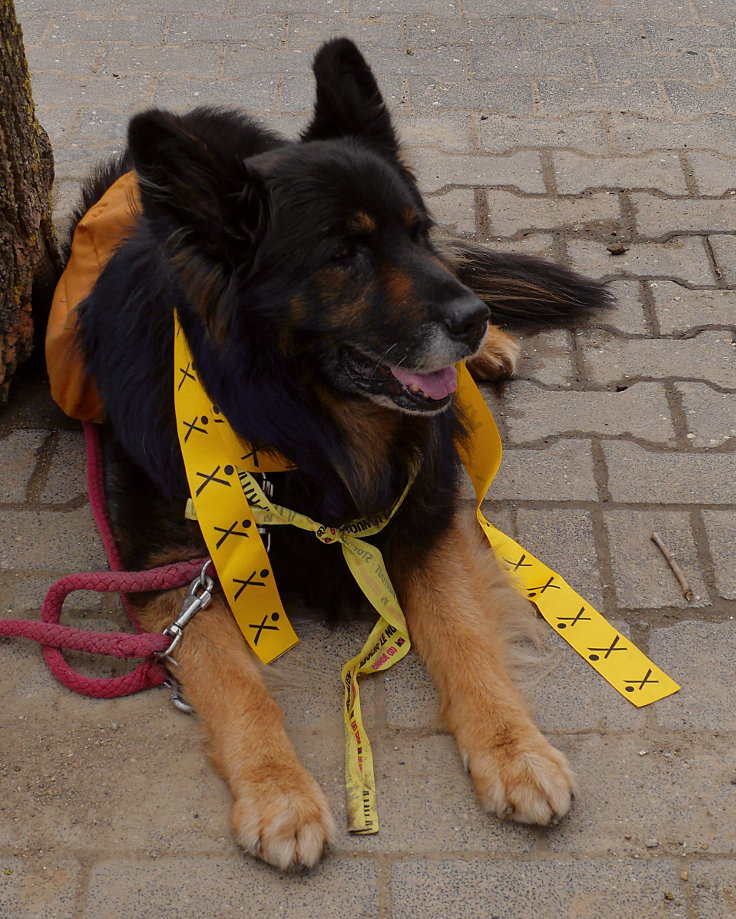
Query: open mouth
(408, 390)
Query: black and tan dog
(326, 324)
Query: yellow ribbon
(229, 504)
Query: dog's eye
(346, 253)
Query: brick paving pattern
(575, 129)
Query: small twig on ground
(686, 589)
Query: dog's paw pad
(528, 781)
(283, 819)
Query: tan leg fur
(497, 358)
(279, 811)
(461, 611)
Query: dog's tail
(523, 291)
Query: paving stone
(445, 130)
(642, 577)
(509, 213)
(644, 786)
(691, 100)
(455, 210)
(512, 97)
(612, 66)
(547, 358)
(260, 31)
(672, 10)
(38, 888)
(18, 454)
(699, 655)
(684, 258)
(681, 478)
(229, 886)
(522, 170)
(127, 93)
(714, 10)
(724, 250)
(56, 122)
(707, 356)
(376, 34)
(66, 477)
(714, 888)
(559, 10)
(504, 133)
(23, 594)
(627, 313)
(664, 216)
(560, 472)
(461, 889)
(667, 36)
(434, 8)
(412, 701)
(50, 540)
(560, 98)
(34, 26)
(77, 58)
(541, 245)
(494, 64)
(575, 173)
(640, 410)
(420, 782)
(640, 135)
(680, 309)
(710, 415)
(96, 127)
(570, 696)
(182, 93)
(492, 31)
(714, 175)
(73, 27)
(198, 61)
(563, 539)
(721, 529)
(625, 37)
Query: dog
(325, 319)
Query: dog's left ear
(349, 102)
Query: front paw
(281, 815)
(526, 780)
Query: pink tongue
(435, 385)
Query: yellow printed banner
(213, 456)
(387, 643)
(616, 658)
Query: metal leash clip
(198, 597)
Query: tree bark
(29, 255)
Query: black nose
(465, 318)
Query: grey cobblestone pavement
(574, 129)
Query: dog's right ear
(193, 191)
(349, 103)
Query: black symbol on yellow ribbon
(260, 628)
(232, 530)
(533, 591)
(254, 453)
(216, 411)
(185, 374)
(573, 620)
(250, 582)
(192, 426)
(212, 477)
(608, 651)
(520, 564)
(640, 683)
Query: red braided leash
(53, 636)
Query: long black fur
(235, 227)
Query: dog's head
(321, 246)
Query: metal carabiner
(199, 596)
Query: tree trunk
(29, 255)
